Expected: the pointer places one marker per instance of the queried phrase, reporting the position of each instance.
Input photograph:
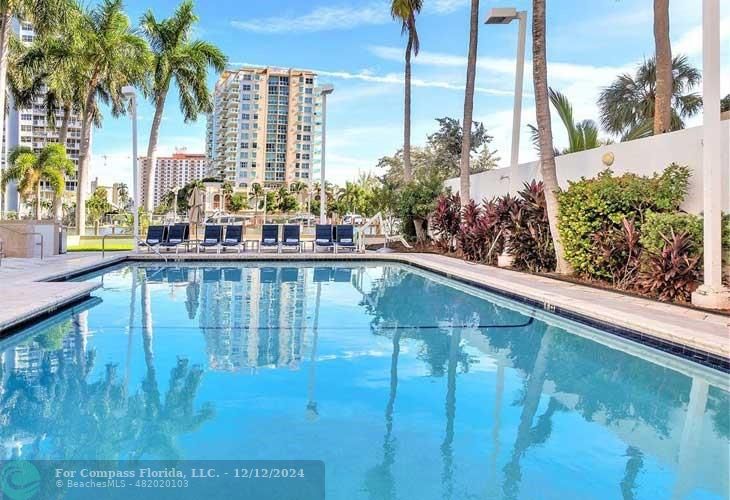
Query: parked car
(355, 219)
(227, 219)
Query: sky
(356, 46)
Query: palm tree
(227, 192)
(113, 56)
(542, 107)
(255, 194)
(627, 105)
(406, 11)
(300, 190)
(471, 70)
(30, 169)
(582, 135)
(663, 55)
(49, 70)
(44, 14)
(178, 57)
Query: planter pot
(505, 260)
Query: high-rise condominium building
(174, 172)
(263, 127)
(29, 127)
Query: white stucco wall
(643, 157)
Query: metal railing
(29, 233)
(139, 242)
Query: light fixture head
(325, 89)
(501, 15)
(128, 91)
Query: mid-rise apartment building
(29, 127)
(174, 172)
(263, 128)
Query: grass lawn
(94, 245)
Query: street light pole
(506, 16)
(129, 92)
(324, 91)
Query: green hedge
(658, 224)
(592, 206)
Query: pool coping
(703, 348)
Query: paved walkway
(22, 295)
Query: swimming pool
(406, 384)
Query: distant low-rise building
(174, 171)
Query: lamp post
(129, 93)
(506, 15)
(323, 91)
(712, 293)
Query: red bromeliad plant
(618, 252)
(673, 273)
(445, 221)
(528, 229)
(471, 235)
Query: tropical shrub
(528, 231)
(472, 235)
(416, 203)
(445, 221)
(657, 225)
(673, 273)
(591, 207)
(619, 251)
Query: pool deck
(25, 292)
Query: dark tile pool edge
(675, 349)
(679, 350)
(14, 327)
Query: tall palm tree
(663, 55)
(44, 14)
(114, 56)
(49, 70)
(471, 70)
(582, 135)
(627, 106)
(405, 11)
(542, 107)
(30, 169)
(179, 57)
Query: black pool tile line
(669, 347)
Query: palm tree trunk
(149, 179)
(62, 138)
(38, 200)
(407, 171)
(471, 70)
(63, 134)
(542, 106)
(84, 160)
(5, 31)
(664, 79)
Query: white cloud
(397, 78)
(324, 18)
(506, 66)
(447, 6)
(690, 43)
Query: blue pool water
(407, 386)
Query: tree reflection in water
(51, 410)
